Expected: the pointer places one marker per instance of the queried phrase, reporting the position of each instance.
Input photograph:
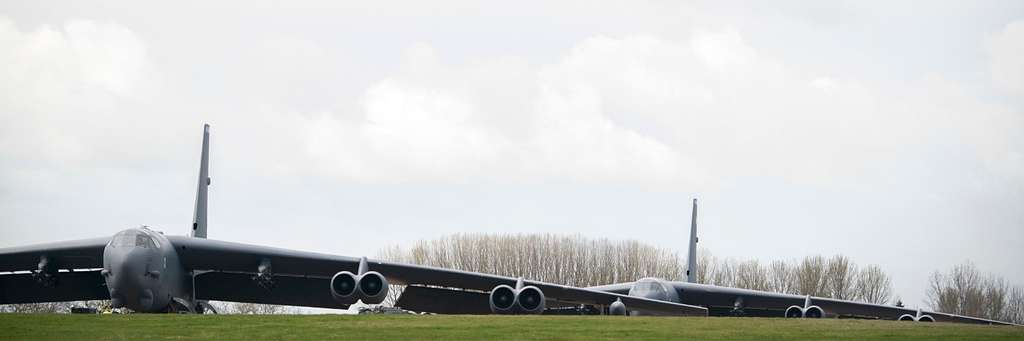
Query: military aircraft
(147, 271)
(719, 300)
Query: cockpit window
(133, 238)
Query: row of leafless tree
(100, 305)
(964, 290)
(834, 277)
(570, 260)
(51, 307)
(251, 308)
(578, 261)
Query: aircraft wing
(18, 285)
(73, 254)
(720, 301)
(70, 286)
(310, 267)
(306, 291)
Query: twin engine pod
(371, 287)
(808, 312)
(508, 300)
(916, 318)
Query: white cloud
(1006, 50)
(645, 110)
(489, 120)
(59, 89)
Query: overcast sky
(891, 132)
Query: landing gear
(204, 307)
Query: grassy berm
(403, 327)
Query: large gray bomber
(147, 271)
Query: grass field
(401, 327)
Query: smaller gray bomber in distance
(147, 271)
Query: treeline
(834, 277)
(964, 290)
(102, 305)
(53, 307)
(578, 261)
(251, 308)
(569, 260)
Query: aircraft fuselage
(143, 273)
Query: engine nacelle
(343, 287)
(617, 308)
(530, 300)
(921, 318)
(370, 287)
(801, 312)
(506, 300)
(814, 312)
(503, 300)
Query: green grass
(402, 327)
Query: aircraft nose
(125, 280)
(126, 272)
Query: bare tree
(810, 276)
(958, 292)
(251, 308)
(780, 277)
(966, 291)
(995, 297)
(873, 285)
(1015, 306)
(840, 277)
(752, 275)
(725, 273)
(705, 265)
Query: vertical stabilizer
(199, 215)
(691, 259)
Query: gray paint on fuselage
(143, 271)
(654, 289)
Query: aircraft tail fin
(691, 259)
(199, 215)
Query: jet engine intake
(503, 300)
(801, 312)
(369, 286)
(795, 312)
(373, 287)
(343, 287)
(507, 300)
(530, 300)
(814, 312)
(917, 318)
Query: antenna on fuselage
(691, 259)
(199, 215)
